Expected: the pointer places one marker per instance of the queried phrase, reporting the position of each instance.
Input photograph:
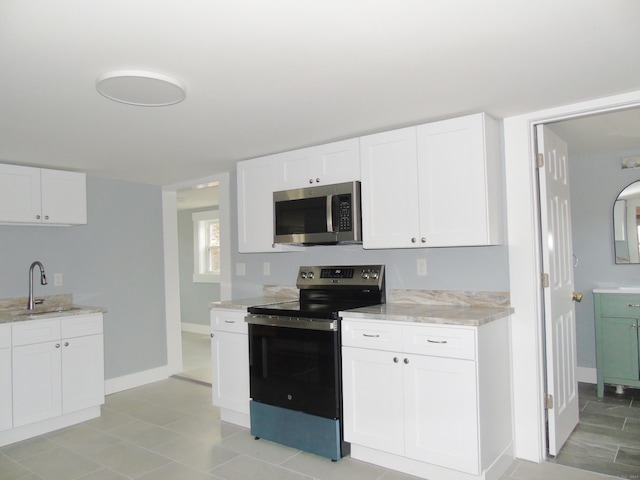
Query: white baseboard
(587, 375)
(114, 385)
(195, 328)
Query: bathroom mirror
(626, 223)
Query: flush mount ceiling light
(145, 89)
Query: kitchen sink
(32, 313)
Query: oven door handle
(293, 322)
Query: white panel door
(230, 366)
(37, 379)
(82, 373)
(557, 261)
(390, 210)
(441, 412)
(373, 399)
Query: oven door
(295, 368)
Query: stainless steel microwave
(320, 215)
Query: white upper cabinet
(326, 164)
(256, 184)
(434, 185)
(41, 196)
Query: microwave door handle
(329, 213)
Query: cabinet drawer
(81, 325)
(5, 336)
(620, 305)
(378, 336)
(439, 341)
(35, 331)
(228, 321)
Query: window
(206, 247)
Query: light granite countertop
(54, 306)
(438, 314)
(244, 303)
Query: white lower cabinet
(6, 409)
(57, 369)
(412, 397)
(230, 365)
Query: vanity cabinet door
(37, 380)
(620, 349)
(82, 372)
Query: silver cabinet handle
(634, 305)
(229, 321)
(57, 345)
(66, 344)
(406, 361)
(370, 335)
(436, 341)
(46, 217)
(413, 240)
(423, 240)
(212, 335)
(395, 359)
(37, 217)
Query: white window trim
(197, 276)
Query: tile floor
(168, 430)
(607, 438)
(196, 356)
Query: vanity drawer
(81, 325)
(450, 342)
(620, 305)
(35, 331)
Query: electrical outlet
(421, 267)
(57, 279)
(241, 269)
(266, 269)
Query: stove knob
(365, 275)
(374, 275)
(303, 274)
(310, 275)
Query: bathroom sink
(32, 313)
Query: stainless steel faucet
(43, 281)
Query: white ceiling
(268, 76)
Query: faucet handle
(38, 301)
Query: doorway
(599, 146)
(199, 266)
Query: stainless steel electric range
(295, 360)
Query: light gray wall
(194, 297)
(595, 183)
(471, 268)
(116, 261)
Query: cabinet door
(37, 378)
(64, 197)
(390, 213)
(6, 412)
(82, 373)
(455, 178)
(620, 349)
(441, 416)
(373, 399)
(256, 184)
(230, 366)
(19, 194)
(326, 164)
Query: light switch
(57, 279)
(266, 269)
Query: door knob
(577, 297)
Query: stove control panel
(348, 275)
